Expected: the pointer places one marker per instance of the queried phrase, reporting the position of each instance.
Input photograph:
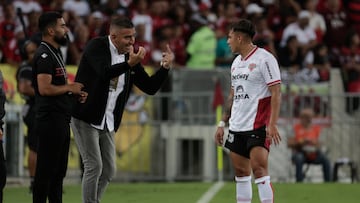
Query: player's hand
(82, 97)
(75, 88)
(219, 136)
(168, 58)
(273, 134)
(1, 134)
(135, 58)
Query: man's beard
(61, 40)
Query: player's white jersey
(250, 78)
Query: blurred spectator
(97, 24)
(140, 15)
(141, 41)
(159, 13)
(254, 11)
(306, 146)
(78, 8)
(321, 61)
(178, 45)
(353, 11)
(10, 32)
(27, 6)
(224, 55)
(308, 74)
(204, 10)
(290, 56)
(350, 66)
(81, 37)
(304, 33)
(336, 24)
(230, 16)
(202, 45)
(289, 10)
(113, 7)
(316, 21)
(181, 16)
(264, 37)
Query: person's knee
(93, 168)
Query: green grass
(191, 192)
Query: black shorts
(242, 142)
(32, 138)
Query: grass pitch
(192, 192)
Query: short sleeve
(271, 71)
(44, 64)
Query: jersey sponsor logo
(240, 93)
(44, 55)
(252, 66)
(241, 96)
(59, 71)
(240, 76)
(268, 69)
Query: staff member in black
(26, 89)
(2, 158)
(53, 101)
(108, 69)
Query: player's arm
(48, 89)
(228, 106)
(226, 115)
(272, 130)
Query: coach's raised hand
(168, 58)
(135, 58)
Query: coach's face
(123, 39)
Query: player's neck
(247, 49)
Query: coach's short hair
(122, 22)
(48, 19)
(244, 26)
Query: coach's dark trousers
(54, 139)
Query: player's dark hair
(122, 22)
(244, 26)
(48, 19)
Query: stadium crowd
(307, 37)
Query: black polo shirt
(48, 60)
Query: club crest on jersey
(252, 66)
(230, 138)
(44, 55)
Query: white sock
(266, 193)
(243, 189)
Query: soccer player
(252, 112)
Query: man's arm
(48, 89)
(272, 130)
(219, 134)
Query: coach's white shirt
(113, 93)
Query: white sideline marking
(211, 192)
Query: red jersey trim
(250, 54)
(274, 83)
(263, 113)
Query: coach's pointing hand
(168, 58)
